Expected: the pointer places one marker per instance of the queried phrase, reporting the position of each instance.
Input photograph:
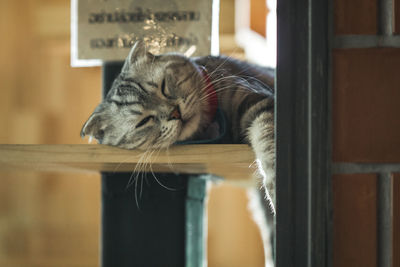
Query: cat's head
(154, 102)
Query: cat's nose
(175, 114)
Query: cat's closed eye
(165, 91)
(144, 121)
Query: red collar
(212, 97)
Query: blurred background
(52, 219)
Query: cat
(159, 100)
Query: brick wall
(366, 133)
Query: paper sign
(105, 30)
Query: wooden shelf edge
(232, 162)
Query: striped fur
(158, 100)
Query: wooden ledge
(232, 162)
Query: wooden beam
(233, 162)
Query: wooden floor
(52, 218)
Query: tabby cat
(159, 100)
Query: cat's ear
(138, 51)
(93, 127)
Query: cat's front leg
(260, 135)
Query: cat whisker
(257, 80)
(136, 198)
(123, 161)
(253, 163)
(162, 185)
(245, 83)
(136, 169)
(223, 63)
(190, 98)
(158, 181)
(222, 89)
(143, 161)
(144, 171)
(236, 75)
(141, 188)
(168, 160)
(216, 81)
(229, 56)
